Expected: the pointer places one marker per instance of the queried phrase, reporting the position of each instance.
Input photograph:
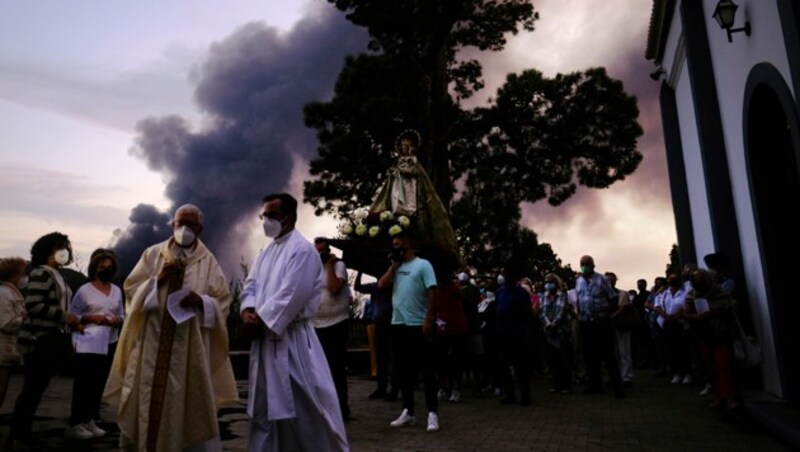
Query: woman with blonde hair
(557, 331)
(13, 277)
(711, 309)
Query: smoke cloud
(148, 226)
(251, 89)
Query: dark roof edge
(660, 19)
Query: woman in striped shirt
(43, 339)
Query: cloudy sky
(113, 112)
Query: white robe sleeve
(247, 298)
(298, 288)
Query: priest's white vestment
(183, 368)
(292, 401)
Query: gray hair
(190, 208)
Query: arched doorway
(772, 150)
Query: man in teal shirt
(412, 280)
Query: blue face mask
(550, 287)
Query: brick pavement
(654, 416)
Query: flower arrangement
(375, 225)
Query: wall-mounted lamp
(725, 14)
(655, 75)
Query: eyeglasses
(271, 215)
(188, 223)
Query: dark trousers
(537, 353)
(91, 373)
(560, 362)
(39, 367)
(451, 359)
(515, 353)
(599, 346)
(678, 347)
(491, 376)
(414, 354)
(5, 375)
(387, 372)
(334, 343)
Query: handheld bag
(746, 353)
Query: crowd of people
(156, 349)
(491, 331)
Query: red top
(448, 310)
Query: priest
(171, 370)
(292, 401)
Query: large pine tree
(539, 139)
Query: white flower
(375, 230)
(386, 216)
(394, 230)
(361, 229)
(347, 229)
(404, 221)
(360, 214)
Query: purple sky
(80, 119)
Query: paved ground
(654, 416)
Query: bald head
(587, 265)
(189, 210)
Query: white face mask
(22, 282)
(272, 228)
(62, 257)
(501, 280)
(183, 236)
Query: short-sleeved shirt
(90, 301)
(409, 298)
(672, 303)
(333, 308)
(593, 295)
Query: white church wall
(732, 62)
(674, 56)
(695, 176)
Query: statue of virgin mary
(409, 191)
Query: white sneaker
(706, 390)
(433, 422)
(94, 429)
(687, 379)
(441, 395)
(79, 432)
(676, 379)
(403, 420)
(455, 396)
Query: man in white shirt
(292, 401)
(331, 322)
(677, 341)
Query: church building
(729, 75)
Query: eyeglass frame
(271, 215)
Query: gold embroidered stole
(161, 373)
